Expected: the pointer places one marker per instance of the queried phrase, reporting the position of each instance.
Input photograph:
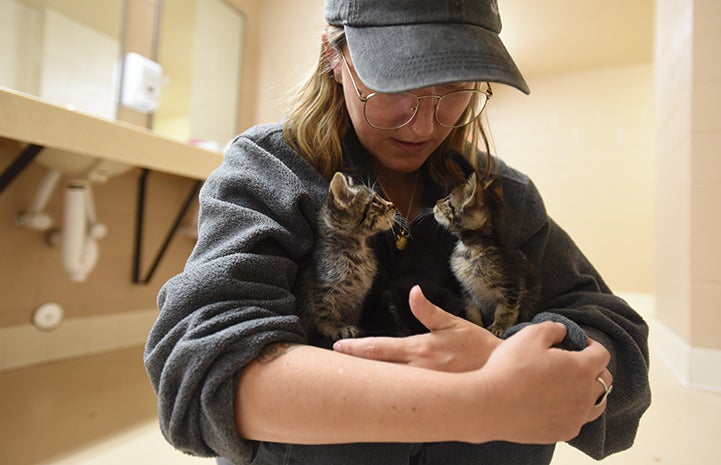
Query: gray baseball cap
(401, 45)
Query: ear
(494, 185)
(339, 189)
(332, 57)
(469, 191)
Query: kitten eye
(366, 209)
(449, 204)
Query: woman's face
(402, 150)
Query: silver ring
(606, 391)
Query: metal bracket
(19, 164)
(139, 225)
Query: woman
(228, 357)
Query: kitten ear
(470, 189)
(339, 189)
(494, 185)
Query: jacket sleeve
(571, 287)
(234, 296)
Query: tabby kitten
(342, 266)
(501, 285)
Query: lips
(412, 147)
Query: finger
(549, 333)
(431, 316)
(385, 349)
(605, 385)
(598, 353)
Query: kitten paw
(345, 332)
(497, 330)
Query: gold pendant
(401, 240)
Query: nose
(424, 121)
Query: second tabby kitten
(501, 285)
(342, 267)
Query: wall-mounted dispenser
(142, 80)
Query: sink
(77, 166)
(80, 231)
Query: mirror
(64, 51)
(67, 52)
(200, 50)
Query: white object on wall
(142, 80)
(48, 316)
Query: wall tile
(587, 139)
(707, 157)
(673, 305)
(24, 345)
(707, 59)
(706, 16)
(706, 301)
(706, 104)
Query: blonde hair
(318, 120)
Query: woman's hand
(532, 392)
(453, 344)
(544, 394)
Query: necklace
(404, 230)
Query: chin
(405, 164)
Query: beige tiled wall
(283, 63)
(218, 46)
(105, 312)
(58, 58)
(586, 140)
(77, 65)
(706, 176)
(688, 98)
(19, 45)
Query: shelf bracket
(139, 226)
(19, 164)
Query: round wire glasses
(395, 110)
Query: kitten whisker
(402, 221)
(424, 215)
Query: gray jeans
(493, 453)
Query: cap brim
(406, 57)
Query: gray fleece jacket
(234, 297)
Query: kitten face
(356, 207)
(464, 209)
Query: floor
(100, 410)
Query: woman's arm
(527, 392)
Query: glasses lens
(390, 111)
(460, 108)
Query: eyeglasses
(395, 110)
